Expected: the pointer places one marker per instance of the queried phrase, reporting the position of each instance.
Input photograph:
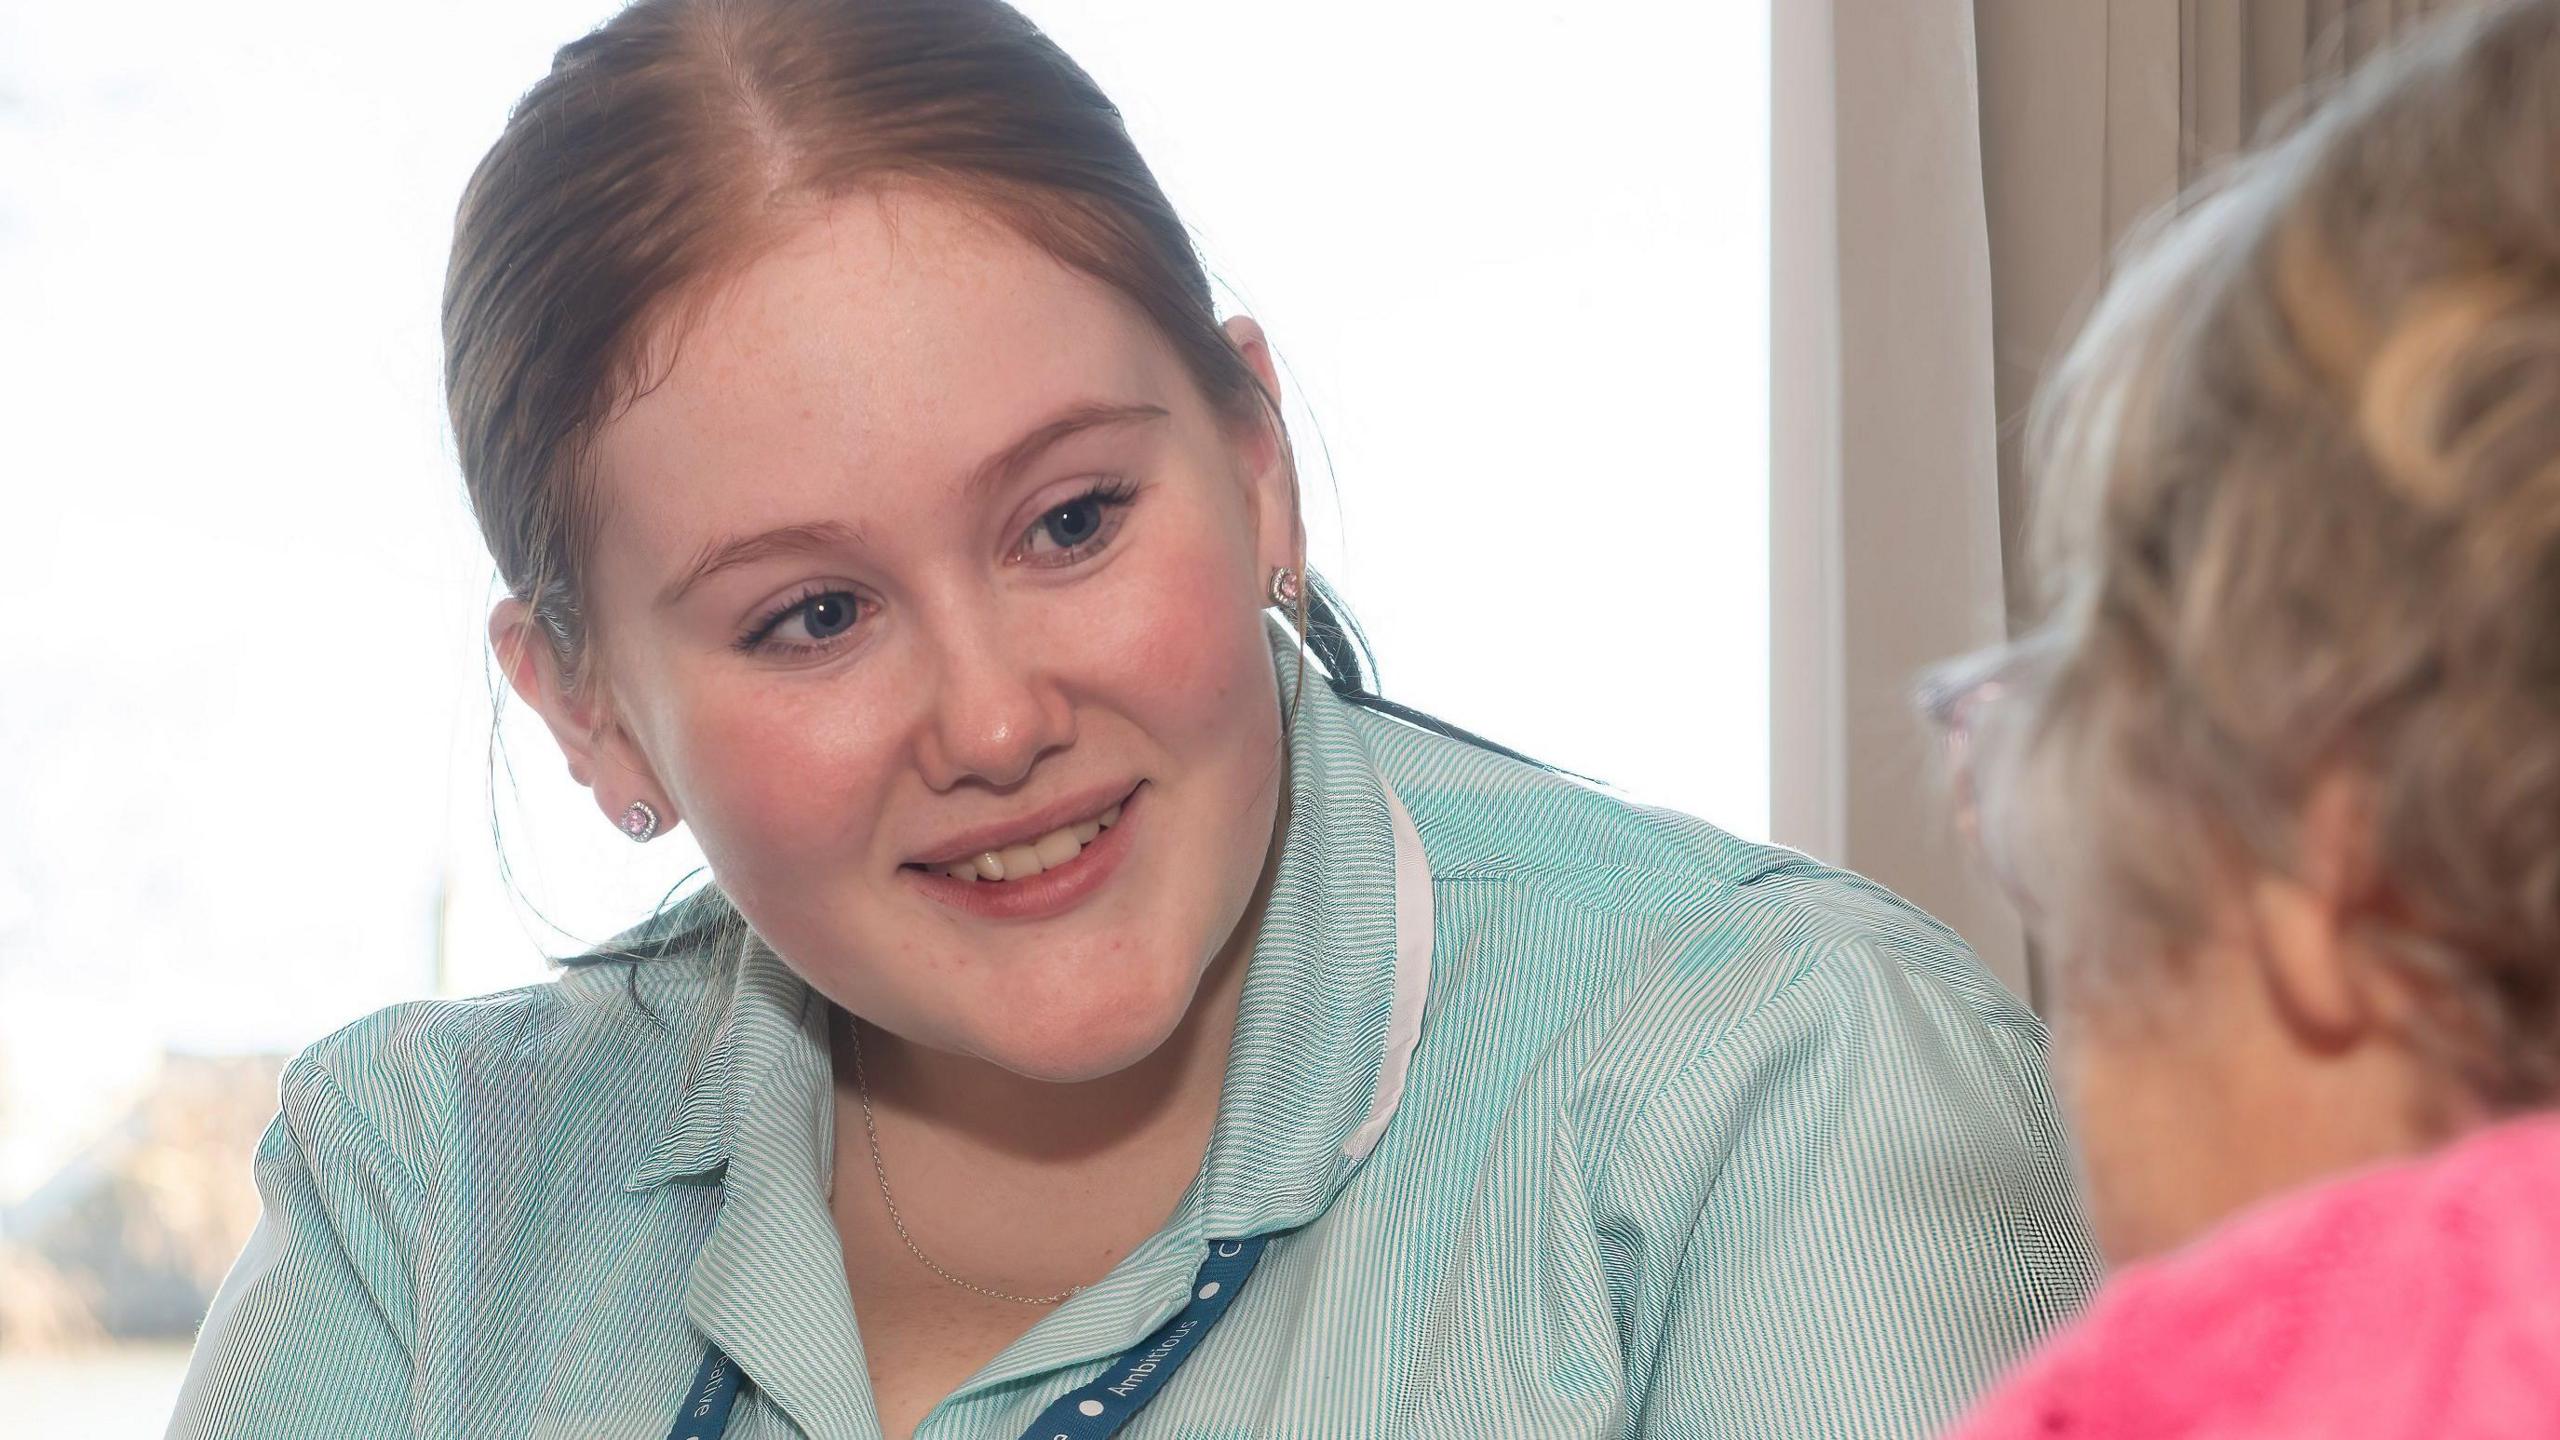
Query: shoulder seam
(319, 1079)
(1821, 954)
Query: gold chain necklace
(871, 1132)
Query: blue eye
(823, 616)
(828, 616)
(1068, 533)
(1073, 523)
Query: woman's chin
(1070, 1035)
(1061, 1051)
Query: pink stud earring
(1284, 587)
(640, 822)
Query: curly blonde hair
(2299, 516)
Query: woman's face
(928, 549)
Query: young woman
(1100, 1018)
(2280, 777)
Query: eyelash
(1114, 495)
(757, 637)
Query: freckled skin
(860, 374)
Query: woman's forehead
(892, 339)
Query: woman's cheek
(1188, 646)
(777, 769)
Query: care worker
(1104, 1017)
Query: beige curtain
(1885, 528)
(2094, 114)
(2239, 61)
(1949, 179)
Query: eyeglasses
(1957, 698)
(1954, 697)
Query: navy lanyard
(1093, 1412)
(705, 1412)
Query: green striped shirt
(1642, 1130)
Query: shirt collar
(1332, 1004)
(1343, 958)
(752, 995)
(1331, 1011)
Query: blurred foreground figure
(2277, 776)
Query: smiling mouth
(1025, 859)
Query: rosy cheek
(764, 776)
(1184, 646)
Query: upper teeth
(1021, 862)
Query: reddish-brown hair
(675, 144)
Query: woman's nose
(995, 711)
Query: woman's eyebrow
(1089, 415)
(719, 555)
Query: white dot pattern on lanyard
(1097, 1410)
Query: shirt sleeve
(1865, 1209)
(310, 1333)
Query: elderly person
(2277, 779)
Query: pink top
(2417, 1300)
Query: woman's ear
(600, 752)
(2317, 982)
(1280, 533)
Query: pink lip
(1051, 892)
(1022, 830)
